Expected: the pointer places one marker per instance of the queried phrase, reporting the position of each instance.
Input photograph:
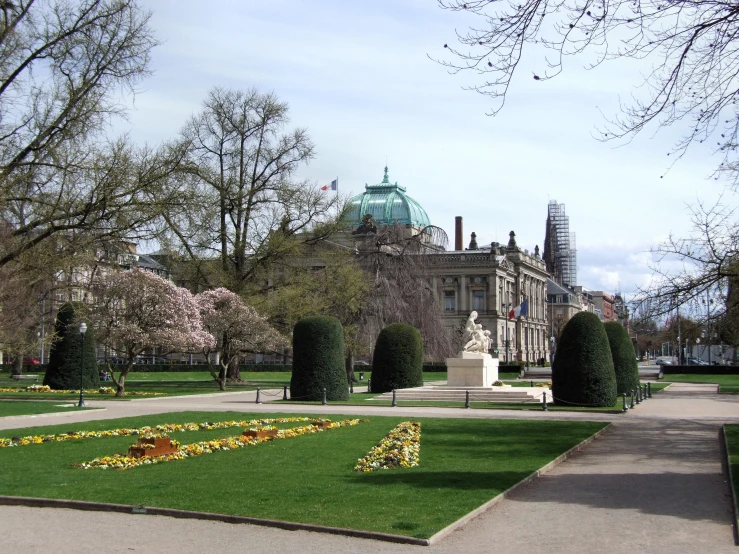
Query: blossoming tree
(235, 329)
(137, 310)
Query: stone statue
(469, 329)
(480, 341)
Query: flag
(521, 309)
(333, 186)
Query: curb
(732, 479)
(207, 516)
(505, 494)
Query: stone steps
(458, 394)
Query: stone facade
(492, 280)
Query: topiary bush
(318, 360)
(398, 359)
(623, 356)
(65, 356)
(582, 371)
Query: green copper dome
(387, 203)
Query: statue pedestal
(472, 369)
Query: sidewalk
(652, 483)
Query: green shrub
(63, 370)
(623, 356)
(582, 372)
(318, 360)
(398, 358)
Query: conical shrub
(67, 363)
(582, 371)
(623, 356)
(398, 359)
(318, 360)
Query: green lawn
(732, 441)
(29, 407)
(728, 383)
(309, 479)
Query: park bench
(27, 376)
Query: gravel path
(653, 483)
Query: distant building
(490, 279)
(560, 252)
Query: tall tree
(249, 210)
(63, 68)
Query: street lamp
(83, 330)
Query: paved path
(653, 483)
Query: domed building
(388, 204)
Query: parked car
(27, 360)
(663, 361)
(696, 361)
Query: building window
(478, 300)
(450, 303)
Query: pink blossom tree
(137, 310)
(235, 328)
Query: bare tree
(402, 292)
(691, 44)
(63, 66)
(248, 211)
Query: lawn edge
(50, 414)
(732, 479)
(207, 516)
(433, 539)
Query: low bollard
(532, 384)
(632, 399)
(626, 406)
(351, 387)
(467, 399)
(544, 404)
(258, 399)
(643, 392)
(395, 403)
(324, 397)
(638, 394)
(361, 375)
(369, 385)
(284, 393)
(649, 390)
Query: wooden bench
(27, 376)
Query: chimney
(458, 232)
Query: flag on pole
(521, 309)
(333, 186)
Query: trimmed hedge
(623, 356)
(398, 358)
(700, 369)
(70, 365)
(582, 372)
(318, 360)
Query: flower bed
(399, 448)
(119, 461)
(146, 430)
(101, 390)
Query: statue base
(472, 369)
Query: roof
(388, 204)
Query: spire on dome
(385, 179)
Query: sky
(359, 77)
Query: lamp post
(83, 330)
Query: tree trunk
(234, 374)
(120, 383)
(17, 365)
(350, 367)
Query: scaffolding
(563, 253)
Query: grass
(29, 407)
(309, 479)
(731, 433)
(728, 384)
(180, 383)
